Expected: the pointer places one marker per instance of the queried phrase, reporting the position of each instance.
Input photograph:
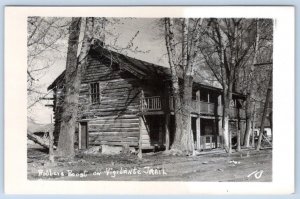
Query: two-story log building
(127, 102)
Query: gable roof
(57, 80)
(141, 69)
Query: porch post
(208, 98)
(238, 136)
(198, 124)
(140, 125)
(166, 108)
(220, 122)
(220, 131)
(198, 95)
(253, 126)
(160, 135)
(198, 132)
(220, 115)
(220, 105)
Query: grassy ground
(211, 166)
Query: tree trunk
(74, 69)
(225, 123)
(170, 44)
(187, 143)
(183, 140)
(271, 124)
(249, 108)
(51, 154)
(187, 140)
(253, 126)
(38, 140)
(262, 126)
(239, 130)
(238, 139)
(248, 122)
(67, 128)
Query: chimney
(97, 43)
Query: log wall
(114, 120)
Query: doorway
(83, 135)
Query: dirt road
(243, 166)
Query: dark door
(83, 135)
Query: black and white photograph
(167, 98)
(160, 99)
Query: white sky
(150, 39)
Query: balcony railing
(198, 106)
(154, 103)
(233, 112)
(151, 103)
(206, 107)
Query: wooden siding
(145, 134)
(114, 120)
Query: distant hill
(33, 127)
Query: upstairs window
(95, 93)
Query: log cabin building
(127, 102)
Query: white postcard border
(15, 103)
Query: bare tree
(183, 69)
(75, 70)
(170, 44)
(252, 80)
(74, 67)
(269, 89)
(226, 48)
(44, 39)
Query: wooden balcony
(156, 104)
(198, 107)
(151, 104)
(233, 112)
(205, 107)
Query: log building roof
(139, 68)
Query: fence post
(51, 155)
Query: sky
(149, 39)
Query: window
(95, 93)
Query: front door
(83, 135)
